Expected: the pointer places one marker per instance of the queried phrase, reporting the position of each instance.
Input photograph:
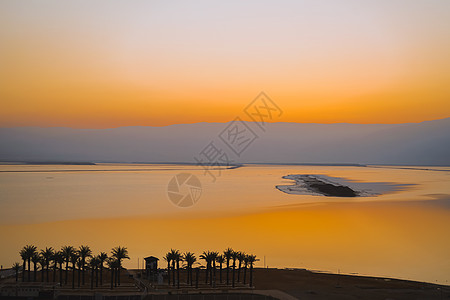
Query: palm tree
(47, 256)
(240, 256)
(246, 261)
(23, 255)
(168, 259)
(84, 252)
(16, 267)
(119, 253)
(73, 259)
(220, 260)
(175, 256)
(101, 259)
(55, 263)
(42, 264)
(213, 261)
(59, 258)
(93, 264)
(228, 254)
(251, 260)
(35, 260)
(234, 257)
(190, 259)
(79, 267)
(30, 250)
(206, 256)
(112, 265)
(67, 252)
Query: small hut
(151, 268)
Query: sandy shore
(303, 284)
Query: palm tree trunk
(228, 272)
(239, 272)
(29, 268)
(234, 267)
(173, 273)
(178, 274)
(17, 275)
(54, 272)
(168, 272)
(96, 276)
(112, 277)
(92, 278)
(67, 272)
(220, 273)
(60, 274)
(79, 276)
(24, 270)
(245, 272)
(187, 274)
(118, 273)
(196, 277)
(83, 267)
(34, 272)
(251, 275)
(101, 273)
(73, 275)
(46, 274)
(206, 273)
(214, 273)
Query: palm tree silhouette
(178, 257)
(206, 256)
(47, 256)
(35, 260)
(93, 264)
(16, 267)
(59, 258)
(234, 257)
(73, 259)
(174, 256)
(190, 259)
(112, 264)
(168, 259)
(214, 255)
(251, 261)
(101, 259)
(246, 261)
(55, 264)
(240, 257)
(119, 253)
(30, 250)
(23, 255)
(228, 254)
(67, 252)
(84, 252)
(78, 272)
(220, 260)
(42, 264)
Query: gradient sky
(100, 64)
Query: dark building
(151, 267)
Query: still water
(402, 233)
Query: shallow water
(401, 233)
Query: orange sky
(85, 65)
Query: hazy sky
(97, 64)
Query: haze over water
(400, 234)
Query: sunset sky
(101, 64)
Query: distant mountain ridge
(425, 143)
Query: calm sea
(402, 233)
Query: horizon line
(205, 122)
